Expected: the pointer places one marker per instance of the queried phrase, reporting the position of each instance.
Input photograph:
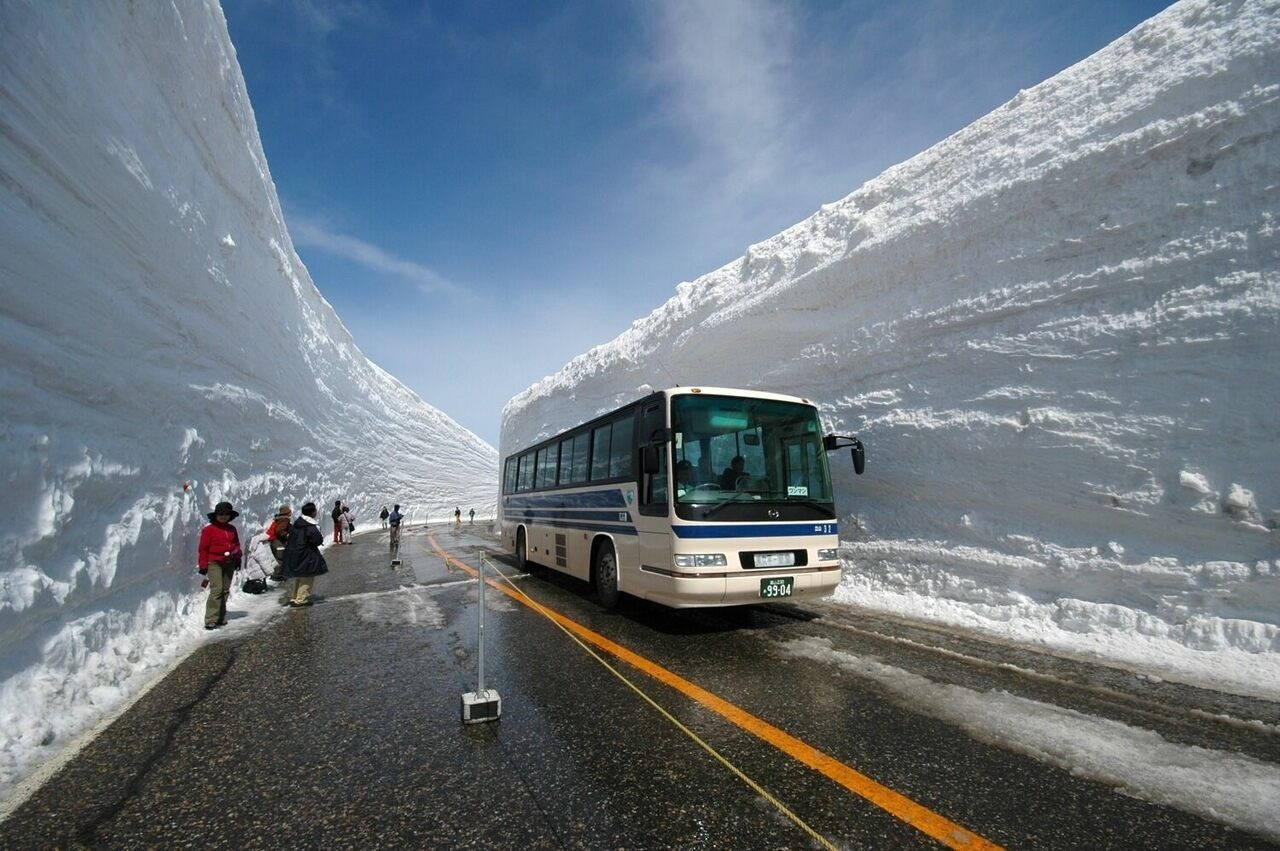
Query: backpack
(254, 586)
(271, 531)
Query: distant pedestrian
(277, 535)
(472, 512)
(218, 559)
(395, 518)
(344, 519)
(336, 514)
(303, 561)
(384, 515)
(457, 515)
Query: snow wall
(1058, 333)
(163, 348)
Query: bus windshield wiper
(707, 512)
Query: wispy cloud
(724, 65)
(310, 233)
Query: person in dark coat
(219, 558)
(729, 478)
(302, 559)
(338, 526)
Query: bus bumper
(736, 589)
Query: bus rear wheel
(606, 577)
(522, 551)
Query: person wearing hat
(219, 557)
(302, 559)
(277, 535)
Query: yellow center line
(899, 806)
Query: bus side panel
(543, 544)
(627, 549)
(579, 546)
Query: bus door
(653, 522)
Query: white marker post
(482, 704)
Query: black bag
(254, 586)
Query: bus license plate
(778, 587)
(774, 559)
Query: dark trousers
(215, 608)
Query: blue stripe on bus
(559, 514)
(755, 530)
(593, 499)
(583, 527)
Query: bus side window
(621, 449)
(566, 453)
(579, 474)
(600, 452)
(525, 482)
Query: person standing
(472, 518)
(457, 515)
(277, 535)
(336, 514)
(384, 515)
(395, 518)
(302, 559)
(344, 520)
(219, 557)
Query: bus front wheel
(522, 551)
(606, 577)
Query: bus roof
(735, 391)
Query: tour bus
(692, 496)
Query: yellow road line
(901, 807)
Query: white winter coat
(259, 563)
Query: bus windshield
(729, 451)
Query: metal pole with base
(482, 704)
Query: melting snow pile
(1058, 333)
(163, 348)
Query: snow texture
(1219, 785)
(1056, 332)
(164, 348)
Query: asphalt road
(338, 726)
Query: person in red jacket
(219, 558)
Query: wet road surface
(338, 726)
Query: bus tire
(522, 550)
(605, 576)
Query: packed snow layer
(1058, 333)
(164, 348)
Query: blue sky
(485, 189)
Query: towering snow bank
(1058, 332)
(163, 348)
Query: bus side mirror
(832, 441)
(649, 460)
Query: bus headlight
(829, 554)
(702, 560)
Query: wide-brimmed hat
(222, 508)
